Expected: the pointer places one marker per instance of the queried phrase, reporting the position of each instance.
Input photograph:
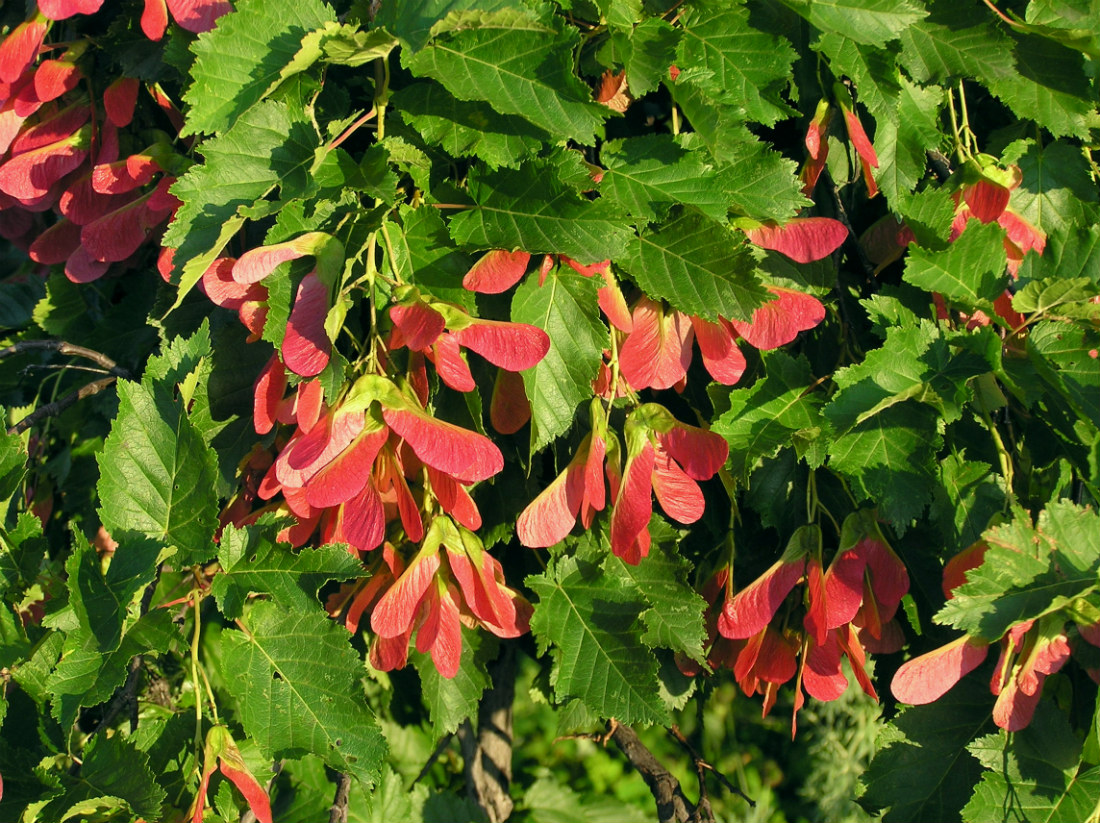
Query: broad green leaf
(929, 214)
(465, 128)
(674, 617)
(87, 675)
(413, 20)
(921, 770)
(776, 411)
(349, 46)
(111, 768)
(565, 308)
(646, 175)
(517, 63)
(157, 476)
(252, 562)
(451, 701)
(902, 142)
(1058, 297)
(646, 52)
(914, 363)
(890, 458)
(873, 72)
(968, 495)
(548, 801)
(270, 145)
(870, 22)
(297, 680)
(424, 255)
(1068, 255)
(590, 622)
(1054, 194)
(956, 41)
(760, 182)
(1052, 87)
(63, 307)
(1033, 775)
(1028, 571)
(178, 359)
(970, 270)
(1071, 22)
(530, 209)
(1065, 355)
(699, 266)
(240, 60)
(102, 601)
(747, 67)
(15, 646)
(18, 302)
(13, 463)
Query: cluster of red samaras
(1030, 651)
(60, 150)
(767, 637)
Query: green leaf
(901, 143)
(102, 601)
(1054, 193)
(1064, 354)
(111, 768)
(968, 495)
(1033, 775)
(269, 146)
(413, 20)
(776, 411)
(929, 214)
(760, 182)
(956, 41)
(241, 60)
(297, 680)
(590, 621)
(465, 128)
(13, 464)
(890, 457)
(674, 617)
(1028, 571)
(424, 255)
(565, 308)
(645, 52)
(746, 67)
(921, 770)
(870, 22)
(645, 175)
(971, 270)
(530, 209)
(699, 266)
(1068, 255)
(451, 701)
(251, 562)
(157, 476)
(18, 302)
(519, 64)
(873, 72)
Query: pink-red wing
(496, 271)
(699, 452)
(803, 239)
(119, 100)
(553, 513)
(465, 455)
(198, 15)
(753, 608)
(679, 495)
(509, 409)
(346, 474)
(927, 678)
(19, 49)
(987, 200)
(633, 507)
(512, 346)
(778, 322)
(419, 325)
(64, 9)
(306, 346)
(722, 358)
(657, 353)
(454, 499)
(394, 613)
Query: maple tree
(403, 398)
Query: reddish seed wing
(56, 243)
(119, 100)
(125, 175)
(657, 352)
(679, 495)
(419, 324)
(306, 346)
(844, 588)
(268, 394)
(822, 675)
(55, 77)
(509, 409)
(465, 455)
(777, 323)
(117, 235)
(64, 9)
(452, 369)
(512, 346)
(699, 452)
(753, 608)
(633, 505)
(256, 264)
(722, 358)
(346, 474)
(803, 239)
(496, 271)
(33, 173)
(198, 15)
(987, 200)
(19, 48)
(361, 521)
(394, 613)
(551, 516)
(927, 678)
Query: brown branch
(672, 805)
(338, 811)
(487, 756)
(55, 408)
(62, 347)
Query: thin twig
(941, 166)
(439, 748)
(58, 406)
(62, 347)
(702, 765)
